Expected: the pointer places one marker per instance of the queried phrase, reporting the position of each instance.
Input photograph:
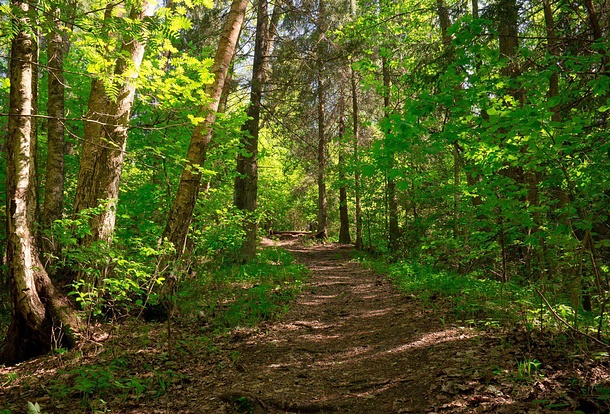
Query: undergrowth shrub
(108, 280)
(94, 383)
(217, 234)
(482, 301)
(242, 295)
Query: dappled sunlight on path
(351, 343)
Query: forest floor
(350, 344)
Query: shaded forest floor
(351, 343)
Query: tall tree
(181, 211)
(356, 145)
(246, 180)
(322, 231)
(40, 314)
(57, 46)
(107, 129)
(344, 236)
(393, 229)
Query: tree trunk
(445, 22)
(99, 182)
(92, 144)
(52, 208)
(508, 42)
(393, 230)
(41, 316)
(322, 232)
(552, 50)
(246, 181)
(356, 122)
(181, 212)
(344, 236)
(594, 20)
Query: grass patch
(486, 302)
(241, 296)
(134, 367)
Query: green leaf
(33, 408)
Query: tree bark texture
(322, 232)
(41, 316)
(393, 230)
(344, 236)
(181, 212)
(246, 181)
(92, 143)
(104, 148)
(594, 20)
(356, 144)
(53, 204)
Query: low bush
(481, 301)
(242, 295)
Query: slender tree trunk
(246, 181)
(508, 13)
(100, 182)
(594, 19)
(181, 212)
(393, 230)
(53, 205)
(552, 50)
(344, 236)
(445, 22)
(322, 232)
(40, 313)
(508, 41)
(359, 244)
(356, 122)
(34, 196)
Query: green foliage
(234, 296)
(110, 279)
(34, 408)
(527, 368)
(221, 237)
(286, 195)
(95, 382)
(500, 186)
(9, 379)
(486, 302)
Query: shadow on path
(351, 343)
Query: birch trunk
(40, 313)
(53, 204)
(181, 212)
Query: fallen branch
(563, 321)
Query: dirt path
(350, 344)
(353, 344)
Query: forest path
(351, 343)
